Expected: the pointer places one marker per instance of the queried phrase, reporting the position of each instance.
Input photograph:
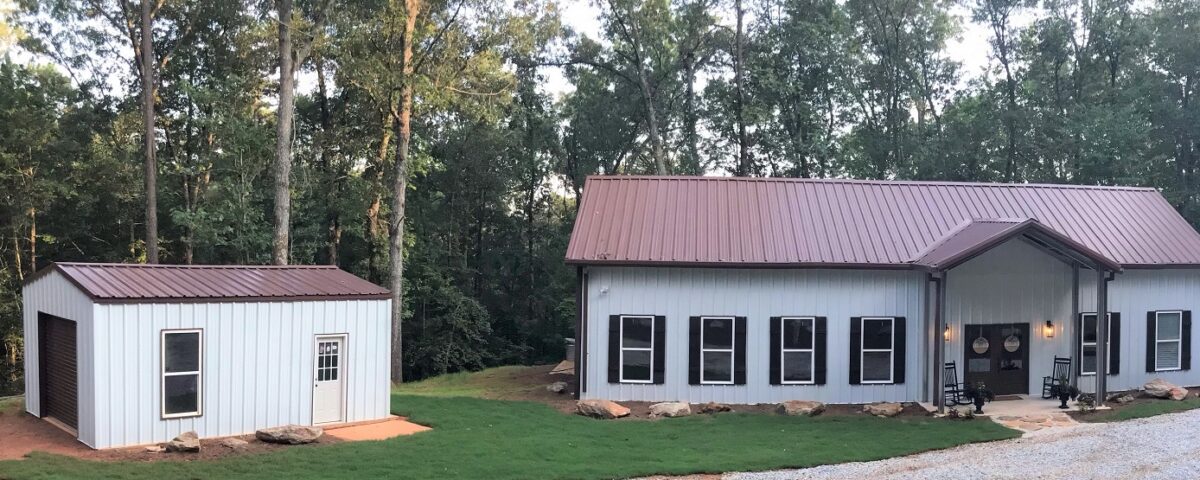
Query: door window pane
(877, 366)
(718, 366)
(797, 366)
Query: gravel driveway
(1165, 446)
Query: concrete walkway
(1160, 447)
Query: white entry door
(328, 386)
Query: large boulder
(234, 443)
(604, 409)
(800, 407)
(1163, 389)
(185, 442)
(289, 434)
(883, 409)
(670, 409)
(714, 407)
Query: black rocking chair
(953, 389)
(1062, 369)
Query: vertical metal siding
(55, 295)
(257, 365)
(1133, 293)
(1012, 283)
(679, 293)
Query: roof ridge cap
(947, 183)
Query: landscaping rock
(603, 409)
(714, 407)
(1163, 389)
(185, 442)
(289, 434)
(800, 407)
(234, 443)
(883, 409)
(670, 409)
(1121, 398)
(557, 387)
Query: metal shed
(125, 354)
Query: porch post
(939, 343)
(1073, 328)
(1101, 336)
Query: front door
(328, 384)
(998, 356)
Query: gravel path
(1165, 446)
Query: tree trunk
(660, 161)
(333, 225)
(376, 230)
(399, 188)
(283, 137)
(150, 168)
(744, 167)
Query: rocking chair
(1062, 369)
(954, 390)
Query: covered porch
(1005, 300)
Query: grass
(480, 438)
(491, 383)
(1140, 410)
(11, 404)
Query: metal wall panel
(679, 293)
(55, 295)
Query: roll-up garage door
(56, 351)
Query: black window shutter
(660, 349)
(819, 353)
(899, 349)
(855, 350)
(614, 349)
(1185, 360)
(694, 351)
(776, 348)
(1114, 343)
(1150, 345)
(739, 351)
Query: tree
(150, 169)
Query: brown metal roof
(120, 282)
(772, 222)
(974, 237)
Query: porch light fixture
(1049, 329)
(946, 333)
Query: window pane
(636, 365)
(797, 333)
(797, 366)
(637, 332)
(718, 367)
(1089, 359)
(718, 333)
(1089, 329)
(877, 334)
(877, 366)
(180, 391)
(1167, 356)
(182, 352)
(1168, 326)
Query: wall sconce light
(946, 333)
(1049, 329)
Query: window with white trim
(878, 349)
(796, 345)
(1087, 365)
(637, 349)
(182, 360)
(1168, 340)
(716, 350)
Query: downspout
(580, 330)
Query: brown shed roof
(120, 282)
(773, 222)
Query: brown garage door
(56, 350)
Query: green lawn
(480, 438)
(1140, 410)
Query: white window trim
(812, 364)
(1178, 341)
(623, 348)
(1082, 343)
(163, 374)
(862, 351)
(730, 351)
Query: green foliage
(474, 438)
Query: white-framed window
(182, 376)
(797, 341)
(878, 350)
(1087, 349)
(717, 350)
(637, 349)
(1168, 340)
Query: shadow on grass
(476, 438)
